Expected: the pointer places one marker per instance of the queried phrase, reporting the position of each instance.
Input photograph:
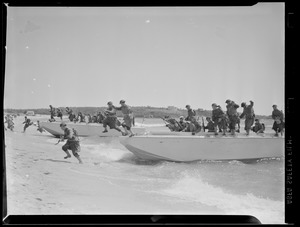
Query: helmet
(122, 101)
(243, 104)
(62, 124)
(109, 103)
(227, 101)
(187, 106)
(181, 117)
(214, 104)
(274, 105)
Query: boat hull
(194, 148)
(85, 130)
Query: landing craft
(85, 130)
(183, 147)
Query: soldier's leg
(65, 149)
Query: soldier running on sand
(72, 142)
(27, 123)
(128, 117)
(111, 119)
(232, 115)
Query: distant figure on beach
(59, 113)
(52, 113)
(232, 115)
(111, 119)
(72, 142)
(249, 116)
(219, 118)
(39, 128)
(9, 121)
(278, 125)
(258, 127)
(210, 125)
(100, 117)
(80, 117)
(27, 123)
(191, 113)
(127, 117)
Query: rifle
(58, 142)
(203, 125)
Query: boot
(68, 154)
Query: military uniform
(219, 119)
(249, 114)
(210, 126)
(128, 116)
(72, 142)
(278, 115)
(191, 115)
(111, 118)
(258, 128)
(232, 114)
(27, 123)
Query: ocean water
(210, 187)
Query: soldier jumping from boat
(128, 117)
(111, 119)
(249, 115)
(232, 115)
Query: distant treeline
(139, 111)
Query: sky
(148, 56)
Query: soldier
(128, 117)
(249, 115)
(258, 127)
(111, 119)
(9, 121)
(232, 115)
(52, 113)
(191, 113)
(182, 123)
(70, 113)
(278, 125)
(210, 125)
(27, 123)
(72, 142)
(39, 127)
(219, 119)
(59, 113)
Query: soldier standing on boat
(59, 113)
(219, 119)
(191, 113)
(111, 119)
(52, 113)
(70, 113)
(232, 115)
(278, 125)
(249, 115)
(128, 117)
(72, 142)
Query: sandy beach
(112, 180)
(41, 181)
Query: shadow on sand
(53, 160)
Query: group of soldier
(107, 118)
(228, 121)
